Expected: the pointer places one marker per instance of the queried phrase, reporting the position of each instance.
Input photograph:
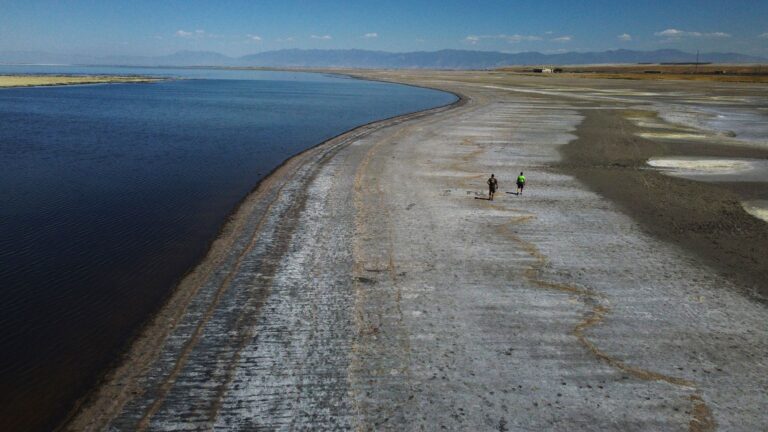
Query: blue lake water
(110, 193)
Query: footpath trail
(369, 285)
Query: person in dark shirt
(493, 184)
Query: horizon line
(384, 51)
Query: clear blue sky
(239, 27)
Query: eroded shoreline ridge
(367, 284)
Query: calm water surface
(110, 193)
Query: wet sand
(369, 284)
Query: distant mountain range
(354, 58)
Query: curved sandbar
(368, 285)
(60, 80)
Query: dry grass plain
(55, 80)
(748, 73)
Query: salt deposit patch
(672, 136)
(713, 169)
(757, 208)
(703, 166)
(743, 124)
(627, 92)
(648, 123)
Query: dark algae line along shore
(111, 193)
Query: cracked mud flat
(365, 286)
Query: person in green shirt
(520, 183)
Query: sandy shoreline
(364, 285)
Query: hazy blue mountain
(658, 56)
(355, 58)
(195, 58)
(181, 58)
(462, 59)
(445, 59)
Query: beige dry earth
(369, 285)
(58, 80)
